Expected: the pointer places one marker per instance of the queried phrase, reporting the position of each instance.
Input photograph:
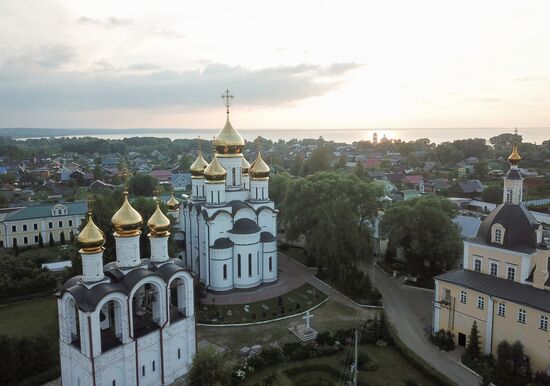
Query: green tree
(40, 241)
(319, 161)
(209, 368)
(492, 193)
(62, 238)
(447, 154)
(142, 185)
(473, 349)
(52, 241)
(3, 200)
(185, 163)
(425, 230)
(341, 163)
(481, 169)
(15, 247)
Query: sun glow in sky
(290, 64)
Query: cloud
(109, 89)
(531, 79)
(48, 57)
(167, 33)
(108, 23)
(143, 67)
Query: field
(293, 302)
(29, 318)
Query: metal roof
(500, 288)
(41, 211)
(468, 225)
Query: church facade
(129, 322)
(229, 221)
(504, 285)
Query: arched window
(270, 264)
(211, 196)
(178, 301)
(498, 234)
(239, 265)
(202, 191)
(225, 272)
(110, 319)
(250, 265)
(509, 195)
(219, 197)
(234, 177)
(146, 314)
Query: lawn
(293, 302)
(298, 254)
(392, 368)
(29, 318)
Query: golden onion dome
(259, 168)
(514, 158)
(127, 221)
(159, 224)
(90, 238)
(245, 166)
(215, 171)
(197, 168)
(173, 203)
(228, 140)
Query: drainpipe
(92, 359)
(492, 323)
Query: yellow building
(27, 224)
(504, 284)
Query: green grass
(29, 318)
(393, 368)
(298, 254)
(295, 301)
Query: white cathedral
(129, 322)
(229, 221)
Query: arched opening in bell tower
(73, 323)
(110, 323)
(178, 300)
(146, 315)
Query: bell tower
(513, 182)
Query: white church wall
(250, 273)
(245, 213)
(219, 226)
(223, 258)
(267, 220)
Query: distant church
(229, 221)
(129, 322)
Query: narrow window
(211, 196)
(509, 195)
(70, 223)
(522, 314)
(258, 262)
(501, 309)
(270, 264)
(25, 240)
(35, 239)
(256, 193)
(250, 265)
(511, 273)
(14, 228)
(480, 302)
(234, 178)
(494, 269)
(225, 272)
(143, 371)
(35, 227)
(477, 265)
(543, 323)
(179, 353)
(113, 383)
(239, 265)
(25, 227)
(202, 191)
(219, 197)
(153, 366)
(50, 225)
(463, 297)
(61, 224)
(498, 235)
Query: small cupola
(259, 168)
(91, 238)
(173, 203)
(159, 224)
(127, 221)
(215, 172)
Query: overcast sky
(290, 64)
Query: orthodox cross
(307, 317)
(156, 192)
(227, 96)
(124, 175)
(200, 149)
(91, 201)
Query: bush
(324, 338)
(444, 340)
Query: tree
(62, 238)
(425, 230)
(492, 193)
(3, 200)
(517, 357)
(319, 161)
(447, 154)
(15, 247)
(185, 162)
(341, 163)
(481, 169)
(142, 185)
(209, 368)
(40, 240)
(473, 349)
(52, 241)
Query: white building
(130, 322)
(229, 220)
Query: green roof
(41, 211)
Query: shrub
(325, 338)
(444, 340)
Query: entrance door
(461, 339)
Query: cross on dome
(227, 95)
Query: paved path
(409, 310)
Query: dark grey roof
(267, 237)
(472, 186)
(519, 225)
(245, 226)
(87, 299)
(514, 175)
(500, 288)
(222, 243)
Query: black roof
(266, 237)
(222, 243)
(245, 226)
(87, 299)
(513, 175)
(519, 225)
(500, 288)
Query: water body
(436, 135)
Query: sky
(290, 64)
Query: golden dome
(127, 221)
(514, 157)
(259, 168)
(173, 203)
(159, 224)
(215, 171)
(228, 141)
(90, 238)
(197, 168)
(245, 166)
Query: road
(409, 310)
